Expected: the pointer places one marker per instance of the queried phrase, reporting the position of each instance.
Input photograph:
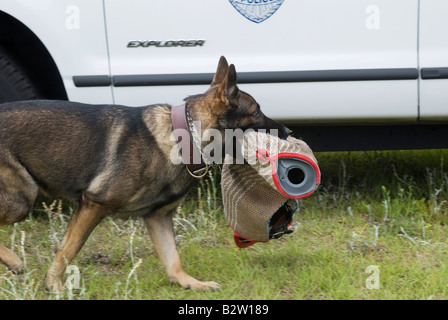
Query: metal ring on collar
(198, 176)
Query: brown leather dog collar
(191, 156)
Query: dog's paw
(16, 268)
(53, 285)
(188, 282)
(207, 285)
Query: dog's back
(66, 144)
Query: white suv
(376, 69)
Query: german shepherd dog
(110, 161)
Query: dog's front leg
(82, 223)
(160, 225)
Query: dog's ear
(228, 89)
(231, 88)
(221, 71)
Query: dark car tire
(15, 84)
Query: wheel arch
(20, 41)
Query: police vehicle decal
(256, 10)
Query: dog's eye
(233, 107)
(256, 114)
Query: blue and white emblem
(256, 10)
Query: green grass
(387, 209)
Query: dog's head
(231, 108)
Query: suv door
(433, 60)
(309, 60)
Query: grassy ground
(383, 209)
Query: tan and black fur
(110, 161)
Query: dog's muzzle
(260, 196)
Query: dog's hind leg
(18, 193)
(160, 225)
(82, 223)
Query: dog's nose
(285, 133)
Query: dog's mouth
(285, 133)
(275, 128)
(281, 131)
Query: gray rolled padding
(297, 177)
